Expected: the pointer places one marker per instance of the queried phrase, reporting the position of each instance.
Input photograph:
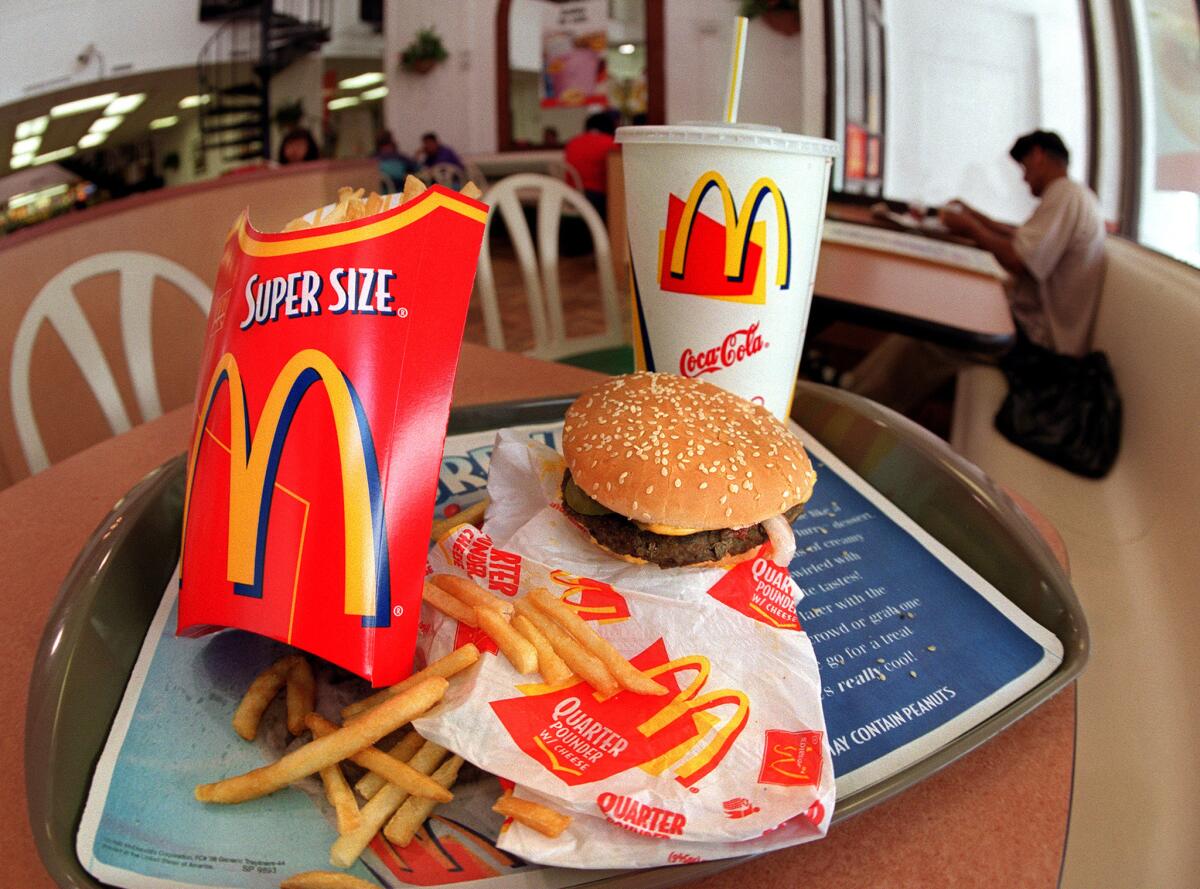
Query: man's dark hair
(430, 135)
(602, 122)
(1049, 142)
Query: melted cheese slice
(666, 530)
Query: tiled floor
(581, 303)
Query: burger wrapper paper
(320, 416)
(594, 840)
(735, 752)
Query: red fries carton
(320, 417)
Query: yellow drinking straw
(735, 68)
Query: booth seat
(1133, 539)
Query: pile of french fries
(351, 204)
(540, 633)
(404, 783)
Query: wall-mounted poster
(574, 40)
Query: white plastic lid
(733, 135)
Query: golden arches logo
(787, 761)
(254, 462)
(591, 599)
(739, 225)
(689, 701)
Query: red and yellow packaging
(320, 417)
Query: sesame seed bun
(683, 453)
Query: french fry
(519, 650)
(471, 593)
(370, 783)
(541, 818)
(445, 667)
(301, 694)
(469, 516)
(323, 879)
(410, 816)
(412, 187)
(340, 796)
(391, 770)
(381, 807)
(626, 674)
(259, 695)
(314, 756)
(350, 205)
(550, 665)
(583, 664)
(471, 190)
(449, 605)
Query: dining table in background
(998, 816)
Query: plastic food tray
(108, 599)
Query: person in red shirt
(588, 154)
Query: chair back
(475, 174)
(539, 266)
(449, 175)
(565, 172)
(57, 305)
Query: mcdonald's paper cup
(724, 227)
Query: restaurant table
(864, 214)
(920, 298)
(998, 816)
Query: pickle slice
(575, 498)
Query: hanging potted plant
(426, 51)
(780, 15)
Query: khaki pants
(902, 372)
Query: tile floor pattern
(579, 285)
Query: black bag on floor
(1063, 409)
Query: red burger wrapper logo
(761, 590)
(791, 759)
(321, 413)
(581, 739)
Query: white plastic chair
(565, 172)
(56, 304)
(475, 174)
(539, 268)
(448, 175)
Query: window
(964, 79)
(1167, 43)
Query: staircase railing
(237, 62)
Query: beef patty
(615, 532)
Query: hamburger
(675, 471)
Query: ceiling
(163, 91)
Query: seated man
(435, 152)
(1056, 259)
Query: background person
(588, 154)
(298, 146)
(433, 152)
(392, 163)
(1056, 259)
